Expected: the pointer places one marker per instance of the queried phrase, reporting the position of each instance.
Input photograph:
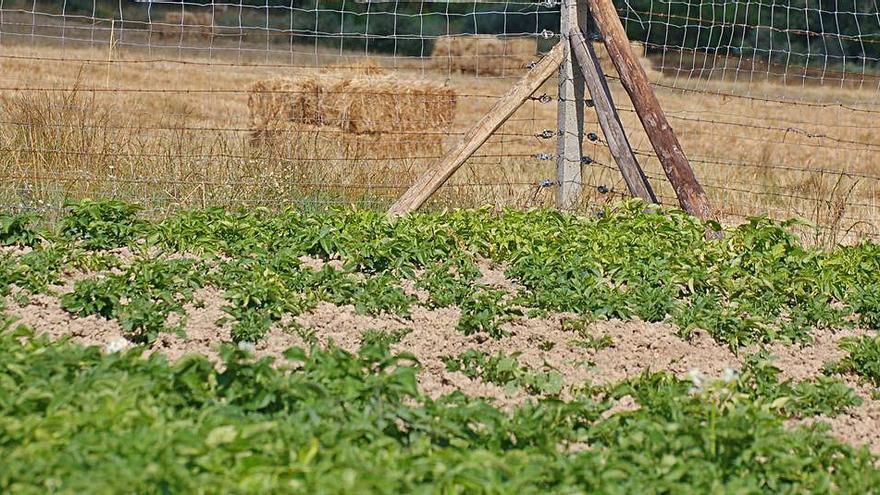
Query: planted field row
(757, 285)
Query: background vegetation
(799, 31)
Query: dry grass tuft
(483, 55)
(371, 112)
(75, 144)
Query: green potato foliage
(862, 359)
(505, 370)
(103, 224)
(322, 420)
(17, 230)
(75, 420)
(141, 297)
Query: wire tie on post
(586, 160)
(544, 156)
(544, 98)
(592, 136)
(545, 134)
(545, 184)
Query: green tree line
(805, 32)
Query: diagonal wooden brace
(441, 171)
(609, 120)
(690, 193)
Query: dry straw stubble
(638, 50)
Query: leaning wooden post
(609, 120)
(569, 117)
(690, 193)
(441, 171)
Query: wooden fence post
(569, 117)
(690, 193)
(609, 120)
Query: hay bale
(382, 111)
(177, 24)
(270, 104)
(484, 55)
(638, 50)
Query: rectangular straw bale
(391, 109)
(331, 142)
(484, 55)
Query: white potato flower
(697, 378)
(729, 375)
(117, 344)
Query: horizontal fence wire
(276, 103)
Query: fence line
(776, 105)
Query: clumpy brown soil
(803, 362)
(493, 274)
(44, 314)
(202, 334)
(857, 426)
(542, 343)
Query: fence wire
(321, 102)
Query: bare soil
(857, 426)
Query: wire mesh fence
(321, 102)
(775, 104)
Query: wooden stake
(569, 118)
(112, 43)
(690, 193)
(609, 120)
(441, 171)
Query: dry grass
(178, 134)
(483, 55)
(638, 50)
(358, 66)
